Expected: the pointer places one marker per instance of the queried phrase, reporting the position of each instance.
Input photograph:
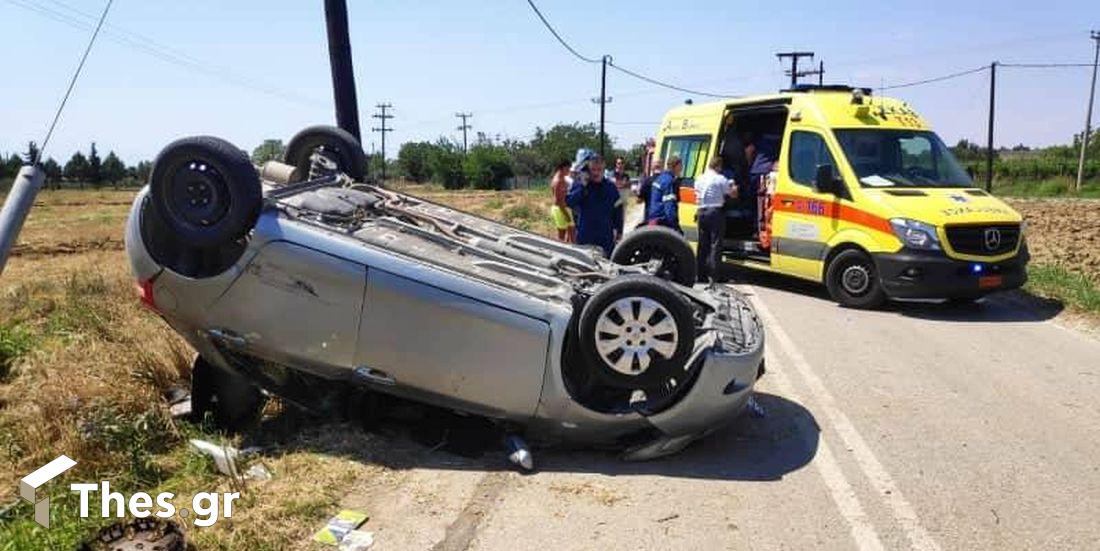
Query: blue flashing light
(977, 268)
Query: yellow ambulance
(838, 186)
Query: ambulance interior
(750, 143)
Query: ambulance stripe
(831, 209)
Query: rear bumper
(926, 274)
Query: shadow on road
(416, 436)
(1011, 306)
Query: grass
(1071, 289)
(1049, 187)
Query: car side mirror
(825, 181)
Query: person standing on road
(663, 207)
(596, 202)
(560, 212)
(711, 191)
(645, 188)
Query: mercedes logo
(992, 239)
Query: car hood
(944, 206)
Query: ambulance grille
(984, 240)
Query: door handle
(228, 337)
(375, 376)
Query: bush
(487, 167)
(414, 161)
(445, 163)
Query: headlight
(916, 235)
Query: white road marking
(872, 468)
(847, 502)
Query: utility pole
(793, 71)
(464, 128)
(1095, 36)
(603, 100)
(989, 137)
(383, 116)
(821, 73)
(343, 75)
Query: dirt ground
(1064, 232)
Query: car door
(804, 219)
(439, 343)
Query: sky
(247, 70)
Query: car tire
(853, 281)
(625, 348)
(337, 145)
(231, 401)
(658, 243)
(206, 191)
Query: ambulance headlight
(915, 234)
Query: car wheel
(232, 401)
(658, 243)
(853, 280)
(206, 191)
(336, 145)
(637, 332)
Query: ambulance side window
(808, 151)
(692, 150)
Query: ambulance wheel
(636, 332)
(853, 281)
(658, 243)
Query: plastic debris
(357, 540)
(225, 457)
(519, 454)
(180, 409)
(339, 526)
(257, 472)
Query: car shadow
(411, 435)
(1010, 306)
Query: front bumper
(932, 274)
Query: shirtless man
(560, 213)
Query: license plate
(989, 282)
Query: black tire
(206, 191)
(337, 144)
(633, 291)
(232, 401)
(853, 280)
(658, 243)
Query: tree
(413, 159)
(31, 156)
(270, 150)
(445, 163)
(141, 171)
(95, 168)
(76, 169)
(10, 167)
(53, 172)
(487, 166)
(113, 169)
(562, 141)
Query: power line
(72, 83)
(935, 79)
(561, 40)
(1044, 65)
(665, 84)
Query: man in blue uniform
(596, 202)
(663, 207)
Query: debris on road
(357, 540)
(673, 516)
(340, 526)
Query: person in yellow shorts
(560, 213)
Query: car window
(808, 151)
(693, 151)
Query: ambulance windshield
(901, 158)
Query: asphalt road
(923, 426)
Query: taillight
(145, 291)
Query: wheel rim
(631, 331)
(856, 279)
(668, 268)
(200, 194)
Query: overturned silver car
(294, 274)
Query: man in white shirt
(711, 191)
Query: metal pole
(603, 108)
(343, 74)
(17, 206)
(989, 141)
(1095, 35)
(821, 73)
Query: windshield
(906, 158)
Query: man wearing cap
(596, 202)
